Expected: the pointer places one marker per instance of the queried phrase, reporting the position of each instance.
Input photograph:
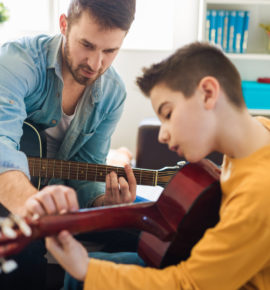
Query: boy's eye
(168, 115)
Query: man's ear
(63, 24)
(210, 88)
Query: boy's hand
(70, 254)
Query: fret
(155, 175)
(69, 170)
(77, 171)
(82, 171)
(34, 167)
(86, 171)
(53, 167)
(140, 177)
(38, 167)
(96, 173)
(61, 164)
(47, 168)
(42, 167)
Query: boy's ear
(63, 24)
(210, 88)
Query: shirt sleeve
(218, 261)
(17, 78)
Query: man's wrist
(99, 201)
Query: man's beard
(75, 72)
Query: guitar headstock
(15, 234)
(166, 173)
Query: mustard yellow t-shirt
(235, 254)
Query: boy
(197, 96)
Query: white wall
(129, 64)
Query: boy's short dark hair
(184, 69)
(107, 13)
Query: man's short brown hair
(108, 13)
(184, 69)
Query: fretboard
(52, 168)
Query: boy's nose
(163, 135)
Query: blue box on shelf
(256, 95)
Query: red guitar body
(190, 203)
(171, 226)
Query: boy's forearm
(15, 189)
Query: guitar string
(66, 169)
(148, 175)
(75, 174)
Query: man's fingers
(125, 193)
(52, 200)
(33, 206)
(72, 200)
(120, 190)
(115, 187)
(131, 181)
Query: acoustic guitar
(33, 143)
(171, 226)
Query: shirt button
(53, 121)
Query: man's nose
(95, 60)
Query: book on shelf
(207, 26)
(227, 29)
(219, 27)
(245, 32)
(213, 20)
(232, 18)
(238, 33)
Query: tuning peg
(6, 225)
(8, 266)
(26, 230)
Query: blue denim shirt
(31, 87)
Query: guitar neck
(52, 168)
(143, 216)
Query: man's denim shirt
(31, 88)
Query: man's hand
(53, 199)
(118, 190)
(57, 199)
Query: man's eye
(86, 45)
(109, 51)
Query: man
(66, 85)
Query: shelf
(259, 112)
(259, 13)
(249, 56)
(240, 2)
